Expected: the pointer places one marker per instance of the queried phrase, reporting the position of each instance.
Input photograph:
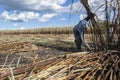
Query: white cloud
(77, 7)
(19, 17)
(47, 17)
(30, 9)
(27, 9)
(15, 24)
(63, 19)
(24, 10)
(22, 28)
(100, 11)
(33, 5)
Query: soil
(31, 48)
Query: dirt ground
(49, 45)
(42, 57)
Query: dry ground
(49, 45)
(44, 58)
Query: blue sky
(27, 14)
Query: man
(78, 31)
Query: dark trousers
(78, 39)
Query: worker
(79, 30)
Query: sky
(29, 14)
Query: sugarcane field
(60, 40)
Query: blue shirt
(81, 26)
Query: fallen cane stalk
(12, 61)
(89, 48)
(12, 74)
(80, 70)
(5, 61)
(18, 61)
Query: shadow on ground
(64, 46)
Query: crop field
(42, 50)
(51, 54)
(17, 44)
(19, 49)
(22, 52)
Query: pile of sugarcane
(94, 66)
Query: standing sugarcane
(118, 1)
(97, 30)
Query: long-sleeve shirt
(81, 26)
